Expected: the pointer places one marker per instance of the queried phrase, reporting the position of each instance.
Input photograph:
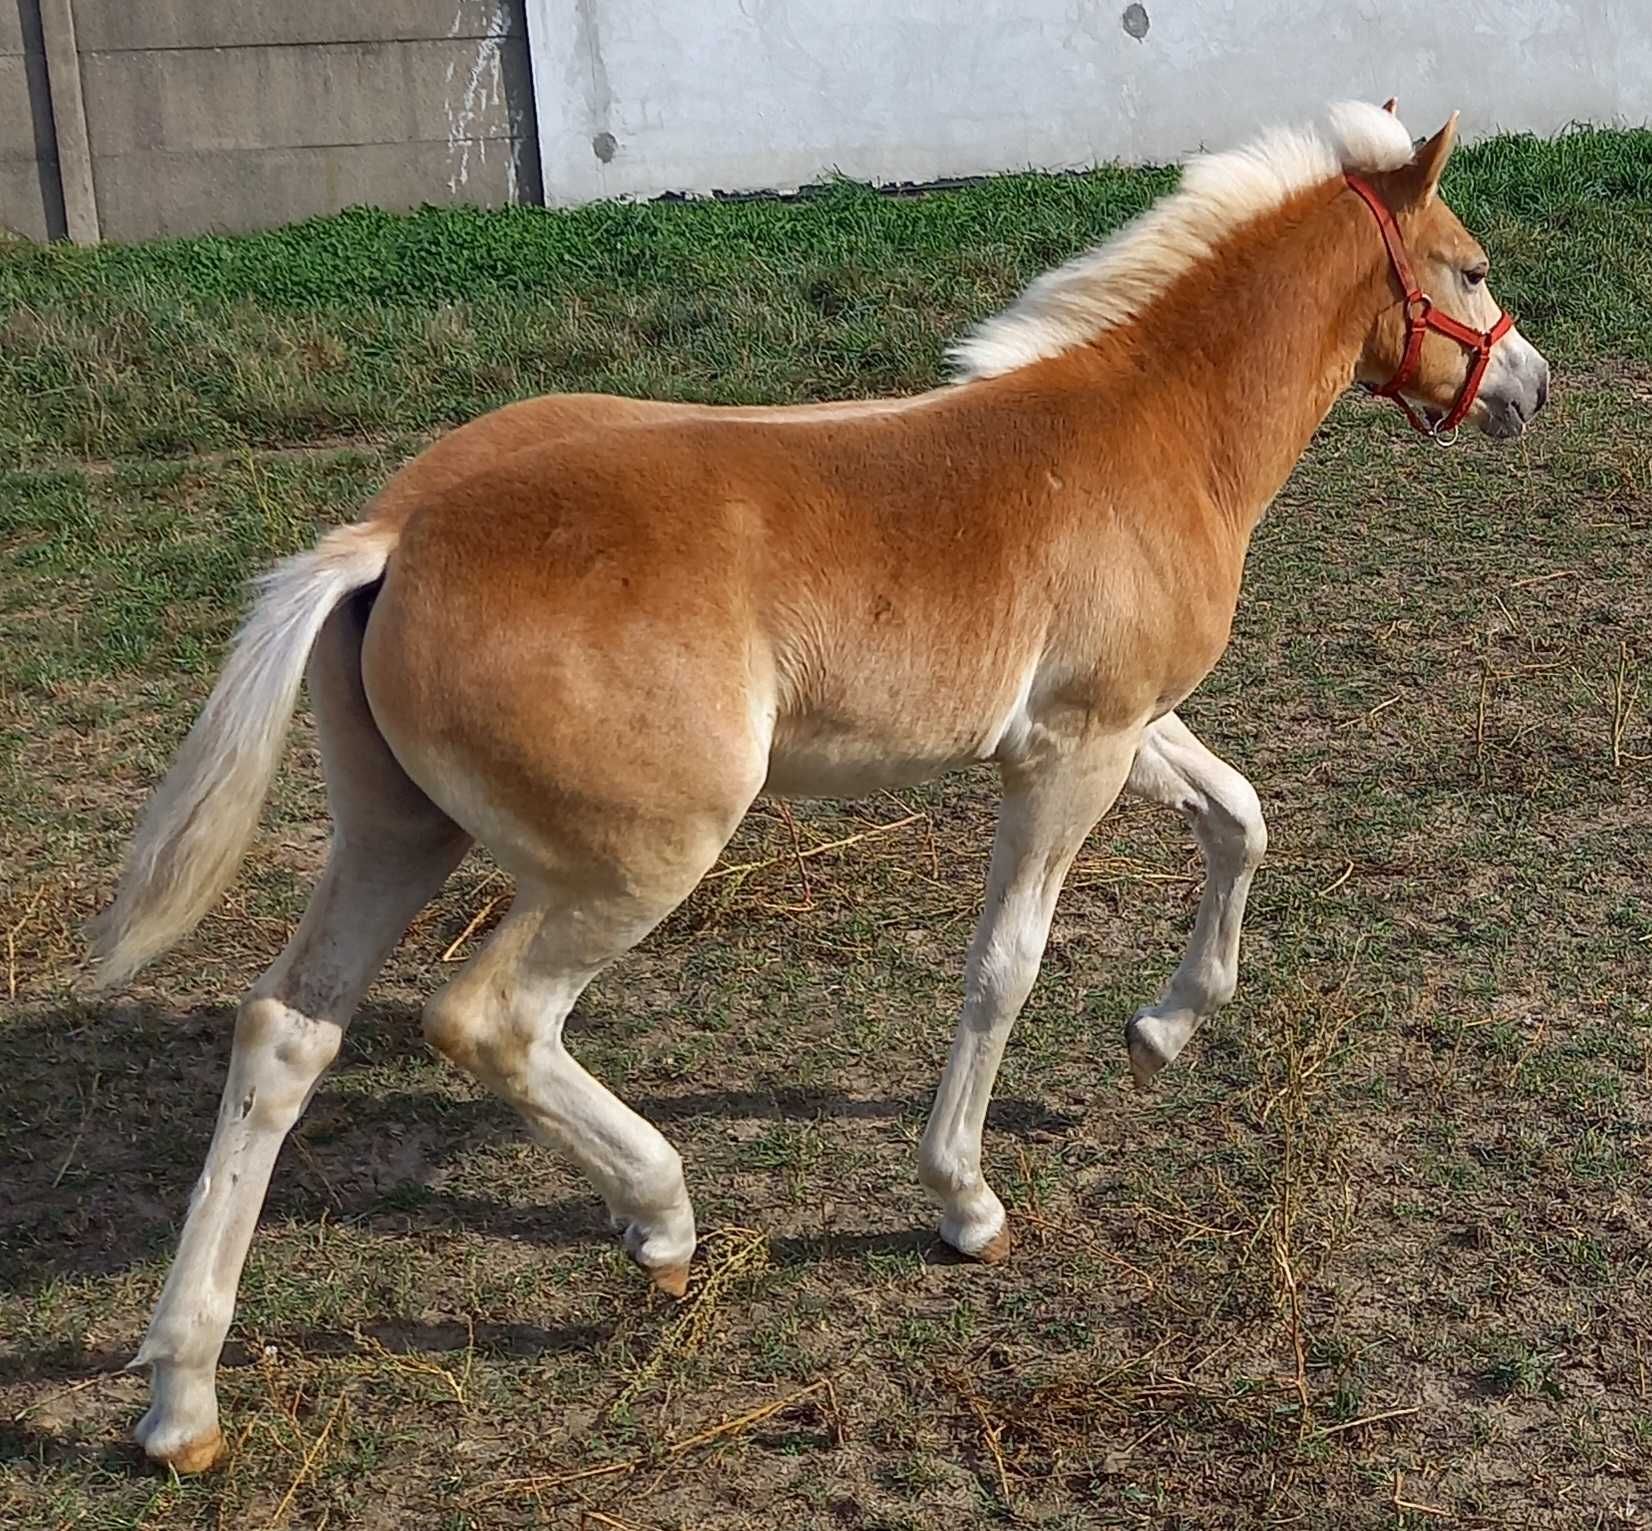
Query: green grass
(1425, 1111)
(372, 322)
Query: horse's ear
(1391, 105)
(1425, 171)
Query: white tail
(202, 816)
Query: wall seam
(74, 151)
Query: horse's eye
(1475, 275)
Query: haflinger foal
(588, 632)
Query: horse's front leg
(1049, 806)
(1172, 767)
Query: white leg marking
(1172, 767)
(279, 1056)
(287, 1032)
(502, 1021)
(1045, 816)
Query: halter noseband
(1421, 316)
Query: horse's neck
(1247, 362)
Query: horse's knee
(1232, 820)
(1250, 828)
(1001, 972)
(1240, 812)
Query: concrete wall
(31, 197)
(646, 96)
(133, 118)
(207, 115)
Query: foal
(589, 632)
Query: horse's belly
(818, 764)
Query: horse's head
(1444, 349)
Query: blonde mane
(1110, 284)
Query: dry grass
(1374, 1255)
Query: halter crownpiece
(1421, 316)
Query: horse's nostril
(1543, 390)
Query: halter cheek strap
(1421, 316)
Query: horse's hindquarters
(576, 754)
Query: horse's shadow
(71, 1363)
(105, 1118)
(22, 1442)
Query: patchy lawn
(1373, 1254)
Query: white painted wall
(638, 97)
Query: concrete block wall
(135, 118)
(225, 115)
(31, 194)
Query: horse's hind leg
(501, 1020)
(1172, 767)
(392, 850)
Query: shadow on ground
(107, 1117)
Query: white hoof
(982, 1233)
(180, 1445)
(1155, 1038)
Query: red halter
(1421, 316)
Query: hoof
(672, 1280)
(662, 1251)
(1147, 1057)
(194, 1456)
(1144, 1064)
(996, 1249)
(668, 1275)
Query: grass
(373, 323)
(1374, 1255)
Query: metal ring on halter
(1444, 438)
